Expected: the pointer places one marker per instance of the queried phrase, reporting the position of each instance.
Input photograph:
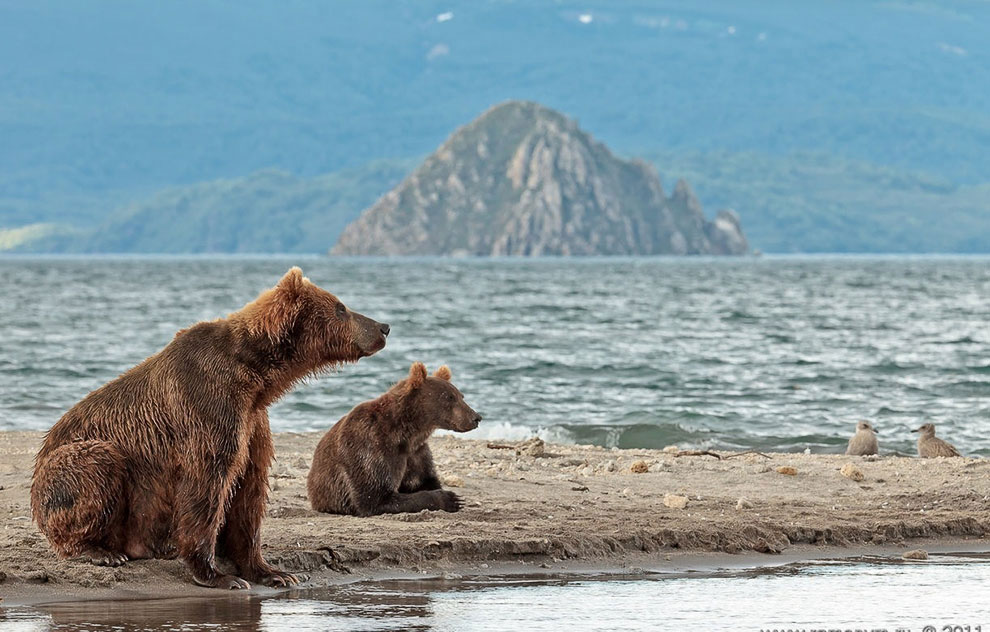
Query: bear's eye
(341, 310)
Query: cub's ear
(443, 373)
(417, 374)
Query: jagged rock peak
(522, 179)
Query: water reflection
(865, 593)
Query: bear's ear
(293, 281)
(443, 373)
(417, 374)
(275, 311)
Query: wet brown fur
(172, 457)
(376, 459)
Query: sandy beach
(549, 508)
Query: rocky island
(524, 180)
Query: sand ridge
(535, 504)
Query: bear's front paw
(165, 551)
(223, 582)
(449, 501)
(278, 579)
(102, 557)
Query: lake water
(771, 353)
(852, 594)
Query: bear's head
(312, 326)
(434, 398)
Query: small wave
(967, 386)
(305, 407)
(965, 340)
(780, 338)
(741, 316)
(893, 366)
(884, 411)
(565, 369)
(507, 431)
(802, 362)
(649, 436)
(49, 372)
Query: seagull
(864, 442)
(930, 446)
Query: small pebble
(852, 472)
(452, 480)
(674, 501)
(787, 469)
(533, 447)
(743, 503)
(639, 467)
(916, 554)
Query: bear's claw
(451, 502)
(223, 582)
(279, 579)
(102, 557)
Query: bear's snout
(369, 334)
(472, 421)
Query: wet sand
(569, 509)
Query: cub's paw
(223, 582)
(166, 552)
(102, 557)
(279, 579)
(449, 501)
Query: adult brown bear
(377, 460)
(173, 455)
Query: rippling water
(771, 353)
(844, 595)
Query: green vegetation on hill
(267, 212)
(820, 203)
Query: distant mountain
(525, 180)
(829, 126)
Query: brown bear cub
(376, 459)
(172, 457)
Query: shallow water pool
(864, 593)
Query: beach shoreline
(552, 509)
